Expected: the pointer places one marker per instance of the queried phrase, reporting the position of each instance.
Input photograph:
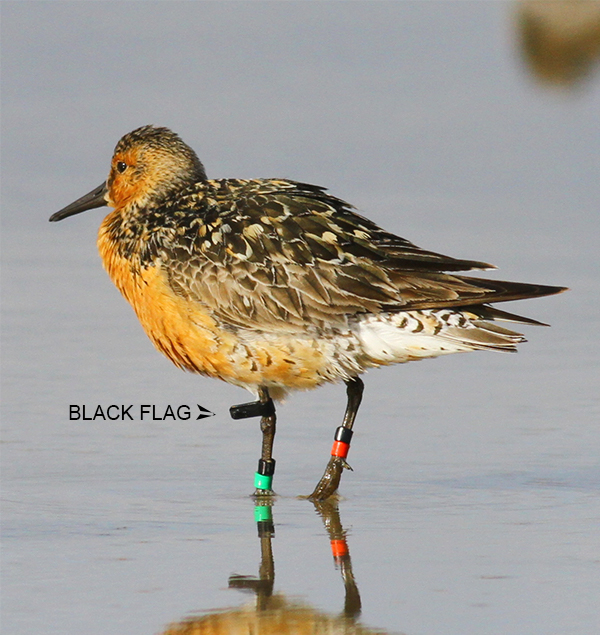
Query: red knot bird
(275, 285)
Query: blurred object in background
(560, 40)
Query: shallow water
(474, 502)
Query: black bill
(93, 199)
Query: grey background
(474, 502)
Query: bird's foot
(330, 480)
(263, 494)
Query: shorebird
(275, 285)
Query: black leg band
(266, 528)
(266, 467)
(252, 409)
(343, 434)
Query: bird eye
(121, 166)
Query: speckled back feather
(277, 254)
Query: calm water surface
(475, 498)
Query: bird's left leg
(264, 408)
(337, 463)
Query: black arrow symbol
(204, 413)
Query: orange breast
(191, 338)
(187, 335)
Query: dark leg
(328, 510)
(330, 480)
(265, 408)
(266, 466)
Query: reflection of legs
(333, 472)
(330, 515)
(265, 408)
(263, 585)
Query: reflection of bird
(283, 616)
(274, 613)
(561, 39)
(275, 285)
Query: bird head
(148, 164)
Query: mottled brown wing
(279, 255)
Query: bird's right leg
(330, 480)
(264, 408)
